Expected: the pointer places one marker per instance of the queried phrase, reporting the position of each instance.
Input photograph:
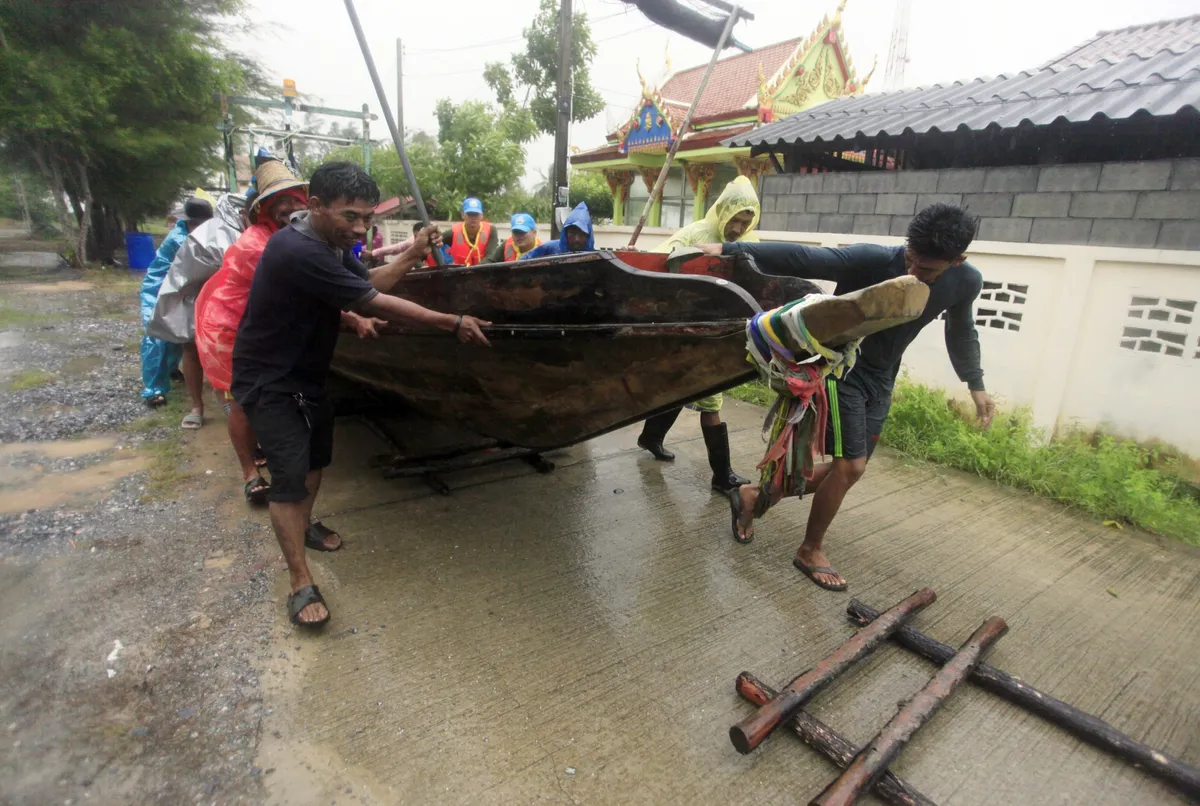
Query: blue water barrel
(139, 248)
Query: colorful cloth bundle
(794, 365)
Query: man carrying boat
(732, 217)
(472, 241)
(576, 236)
(286, 340)
(934, 253)
(523, 239)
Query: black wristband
(457, 324)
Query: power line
(505, 41)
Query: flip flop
(256, 490)
(301, 599)
(156, 401)
(315, 535)
(735, 507)
(260, 458)
(192, 421)
(811, 570)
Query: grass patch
(17, 317)
(168, 458)
(1111, 479)
(28, 379)
(164, 416)
(755, 392)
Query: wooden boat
(581, 344)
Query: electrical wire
(505, 41)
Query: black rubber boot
(653, 433)
(716, 439)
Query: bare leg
(194, 376)
(313, 483)
(710, 418)
(819, 473)
(244, 441)
(837, 481)
(290, 521)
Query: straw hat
(272, 177)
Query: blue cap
(472, 205)
(523, 222)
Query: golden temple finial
(667, 54)
(862, 85)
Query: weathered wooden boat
(581, 344)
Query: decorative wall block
(1001, 305)
(1149, 334)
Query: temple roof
(733, 87)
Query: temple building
(746, 90)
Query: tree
(533, 73)
(113, 102)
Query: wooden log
(1091, 729)
(873, 760)
(751, 731)
(829, 743)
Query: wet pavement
(562, 638)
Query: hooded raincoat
(159, 358)
(737, 196)
(580, 218)
(197, 260)
(222, 301)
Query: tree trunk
(48, 166)
(85, 199)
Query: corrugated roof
(1146, 40)
(1076, 87)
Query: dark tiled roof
(1115, 75)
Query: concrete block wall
(1138, 204)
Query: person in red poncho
(222, 301)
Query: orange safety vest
(513, 252)
(463, 251)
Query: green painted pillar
(700, 200)
(618, 206)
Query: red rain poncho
(222, 301)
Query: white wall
(1073, 346)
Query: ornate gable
(653, 125)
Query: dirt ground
(561, 638)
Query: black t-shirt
(857, 266)
(290, 328)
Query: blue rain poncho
(579, 218)
(159, 358)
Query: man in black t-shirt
(307, 276)
(934, 253)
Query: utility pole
(400, 87)
(563, 95)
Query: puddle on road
(83, 364)
(54, 288)
(31, 487)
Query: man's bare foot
(320, 537)
(306, 606)
(315, 612)
(745, 526)
(814, 559)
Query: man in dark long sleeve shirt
(935, 254)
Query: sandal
(301, 599)
(811, 571)
(735, 507)
(192, 421)
(156, 400)
(256, 490)
(317, 533)
(260, 458)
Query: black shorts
(858, 406)
(296, 435)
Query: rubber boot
(654, 431)
(716, 440)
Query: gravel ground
(131, 628)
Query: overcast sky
(447, 45)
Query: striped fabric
(796, 366)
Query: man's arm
(962, 343)
(385, 277)
(466, 328)
(809, 262)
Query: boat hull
(581, 345)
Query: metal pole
(391, 122)
(687, 121)
(751, 731)
(400, 87)
(873, 760)
(1091, 729)
(366, 139)
(562, 95)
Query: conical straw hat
(272, 177)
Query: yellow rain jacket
(737, 196)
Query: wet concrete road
(574, 638)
